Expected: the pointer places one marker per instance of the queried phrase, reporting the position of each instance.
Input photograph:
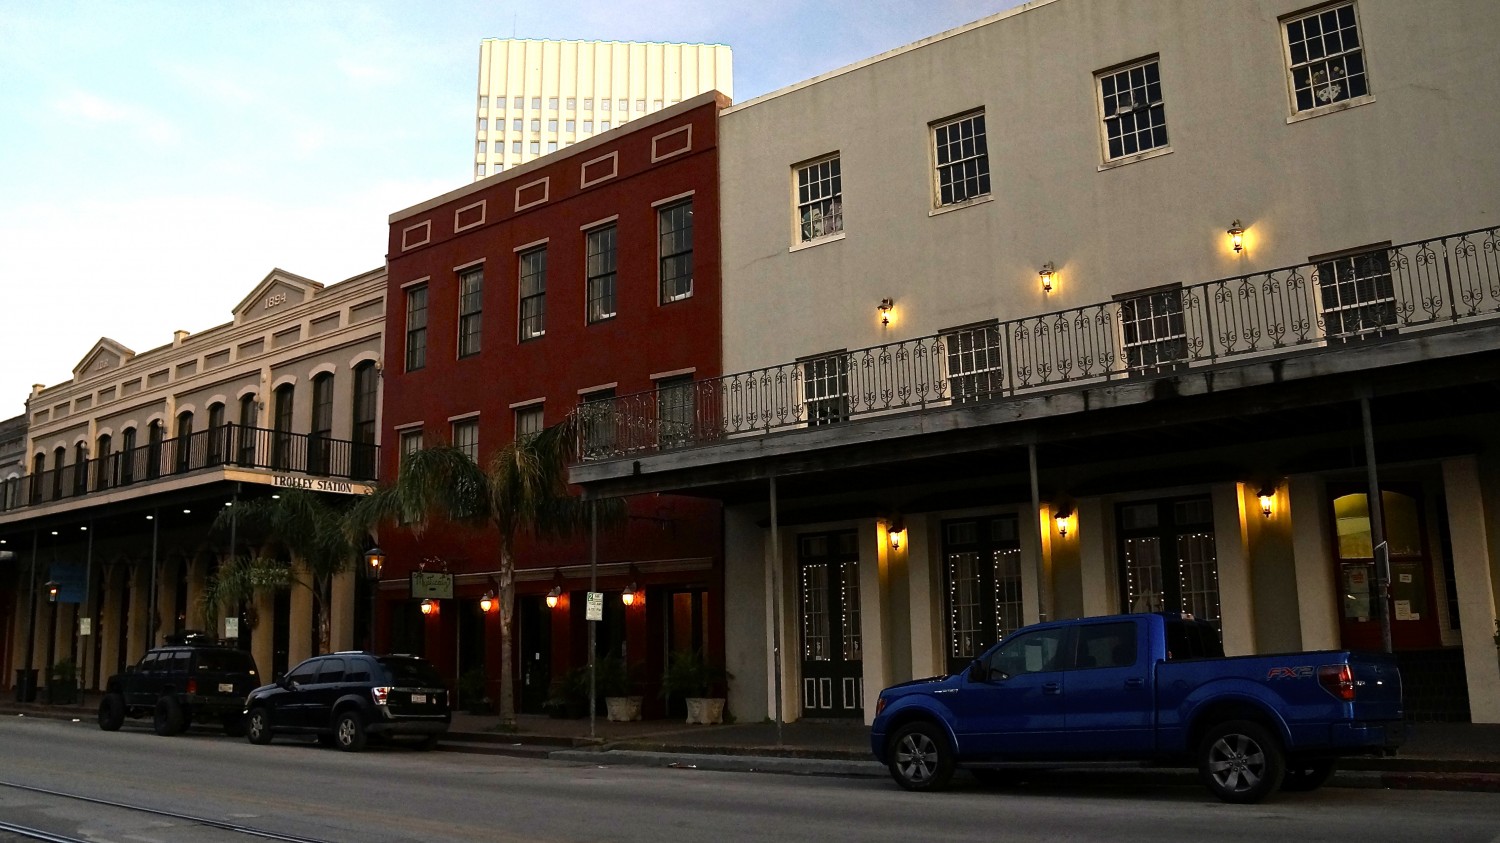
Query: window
(1167, 557)
(604, 126)
(640, 105)
(249, 422)
(59, 458)
(1135, 120)
(484, 102)
(480, 148)
(411, 441)
(820, 199)
(103, 466)
(466, 437)
(1325, 58)
(153, 451)
(128, 458)
(588, 127)
(1358, 295)
(552, 125)
(624, 105)
(1155, 334)
(528, 422)
(216, 431)
(184, 443)
(536, 103)
(517, 124)
(600, 273)
(572, 104)
(479, 171)
(80, 468)
(536, 125)
(674, 411)
(975, 364)
(416, 328)
(570, 126)
(588, 104)
(484, 124)
(318, 450)
(533, 290)
(825, 389)
(552, 103)
(982, 567)
(281, 427)
(596, 411)
(604, 105)
(656, 105)
(470, 295)
(518, 102)
(674, 231)
(536, 147)
(961, 155)
(515, 147)
(366, 402)
(1106, 645)
(551, 146)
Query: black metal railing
(230, 445)
(1308, 307)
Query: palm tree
(308, 528)
(523, 491)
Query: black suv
(342, 698)
(192, 679)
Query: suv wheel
(349, 731)
(111, 712)
(169, 718)
(258, 725)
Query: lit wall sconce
(1048, 273)
(487, 603)
(884, 308)
(1267, 497)
(895, 532)
(1236, 234)
(628, 596)
(553, 596)
(1064, 518)
(429, 606)
(52, 588)
(374, 561)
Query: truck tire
(168, 718)
(258, 725)
(234, 725)
(1241, 762)
(920, 758)
(349, 731)
(111, 712)
(1307, 775)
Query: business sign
(71, 577)
(435, 586)
(318, 484)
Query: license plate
(226, 688)
(419, 698)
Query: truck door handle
(1134, 683)
(1052, 688)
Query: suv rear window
(225, 660)
(411, 672)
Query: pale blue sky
(157, 159)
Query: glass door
(832, 651)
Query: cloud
(83, 107)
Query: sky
(158, 159)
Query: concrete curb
(723, 762)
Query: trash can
(26, 685)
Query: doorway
(831, 646)
(534, 644)
(1413, 608)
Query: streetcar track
(222, 825)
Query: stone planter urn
(623, 709)
(705, 710)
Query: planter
(705, 710)
(623, 709)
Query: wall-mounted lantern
(1236, 234)
(1048, 274)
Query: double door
(831, 646)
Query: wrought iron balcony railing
(228, 446)
(1307, 307)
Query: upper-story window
(597, 410)
(825, 388)
(416, 328)
(104, 476)
(184, 442)
(411, 441)
(470, 310)
(249, 421)
(128, 456)
(216, 431)
(1357, 293)
(600, 271)
(552, 103)
(281, 426)
(1325, 58)
(80, 468)
(533, 291)
(820, 199)
(466, 437)
(154, 437)
(59, 458)
(572, 103)
(975, 362)
(1130, 104)
(319, 453)
(1155, 334)
(674, 229)
(675, 411)
(528, 422)
(366, 401)
(961, 156)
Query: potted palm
(694, 679)
(615, 684)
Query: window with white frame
(533, 291)
(1358, 294)
(1130, 104)
(411, 440)
(674, 411)
(674, 228)
(528, 422)
(1155, 334)
(1325, 57)
(975, 364)
(466, 437)
(470, 310)
(820, 199)
(1168, 558)
(600, 273)
(961, 156)
(416, 327)
(825, 388)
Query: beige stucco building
(537, 96)
(129, 463)
(1097, 306)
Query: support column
(197, 584)
(139, 633)
(166, 596)
(878, 623)
(924, 571)
(1317, 600)
(1096, 572)
(747, 617)
(1236, 608)
(1474, 576)
(263, 637)
(111, 608)
(1035, 548)
(300, 628)
(341, 612)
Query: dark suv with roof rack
(193, 679)
(343, 698)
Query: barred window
(820, 199)
(674, 227)
(1155, 334)
(470, 306)
(533, 287)
(825, 389)
(975, 365)
(466, 437)
(416, 328)
(1358, 294)
(600, 244)
(1135, 119)
(1325, 58)
(962, 158)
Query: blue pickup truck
(1147, 688)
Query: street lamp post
(374, 561)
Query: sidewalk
(1437, 756)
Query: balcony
(230, 446)
(1386, 294)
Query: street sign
(595, 607)
(85, 626)
(231, 627)
(433, 585)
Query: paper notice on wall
(1403, 611)
(1404, 577)
(85, 626)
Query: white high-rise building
(536, 97)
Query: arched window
(153, 450)
(184, 442)
(216, 431)
(366, 391)
(38, 470)
(128, 456)
(249, 429)
(281, 427)
(59, 456)
(104, 463)
(319, 449)
(81, 468)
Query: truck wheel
(1303, 776)
(111, 712)
(258, 725)
(169, 719)
(349, 731)
(920, 758)
(1241, 762)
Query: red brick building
(589, 273)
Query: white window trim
(423, 280)
(832, 238)
(470, 265)
(596, 223)
(416, 425)
(673, 199)
(796, 216)
(598, 388)
(535, 244)
(532, 402)
(1286, 66)
(1131, 159)
(463, 417)
(959, 206)
(932, 163)
(1111, 163)
(675, 373)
